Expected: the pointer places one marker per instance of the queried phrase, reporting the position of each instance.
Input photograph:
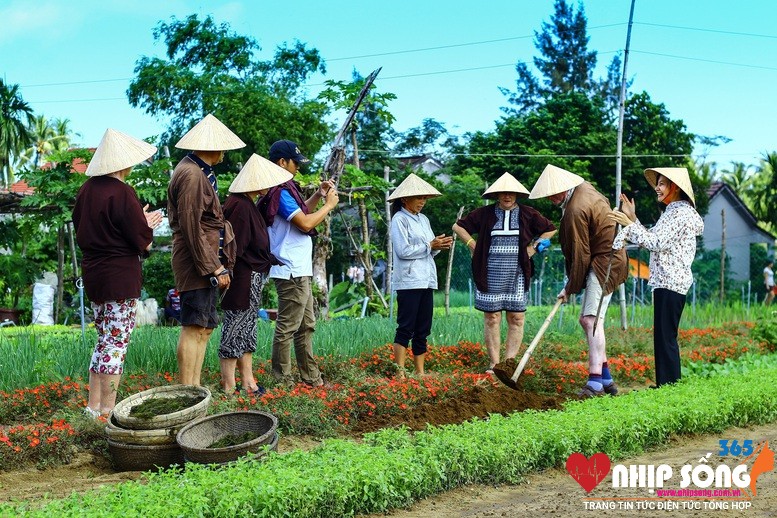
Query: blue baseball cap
(288, 150)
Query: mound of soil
(480, 402)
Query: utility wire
(699, 29)
(456, 45)
(704, 60)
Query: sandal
(93, 414)
(256, 393)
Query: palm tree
(48, 136)
(738, 177)
(15, 118)
(43, 136)
(64, 134)
(765, 189)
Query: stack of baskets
(139, 444)
(196, 438)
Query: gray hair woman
(415, 275)
(509, 234)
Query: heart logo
(588, 472)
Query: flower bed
(363, 389)
(393, 468)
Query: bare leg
(246, 368)
(109, 384)
(191, 353)
(227, 367)
(95, 394)
(492, 323)
(514, 333)
(400, 352)
(418, 361)
(596, 343)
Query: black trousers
(414, 318)
(667, 309)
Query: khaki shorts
(593, 291)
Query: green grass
(34, 355)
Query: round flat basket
(122, 409)
(196, 437)
(117, 433)
(135, 457)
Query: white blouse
(672, 245)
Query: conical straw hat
(506, 183)
(259, 174)
(677, 175)
(210, 134)
(413, 186)
(554, 180)
(118, 151)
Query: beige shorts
(591, 295)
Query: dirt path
(555, 493)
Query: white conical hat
(210, 134)
(554, 180)
(506, 183)
(259, 174)
(677, 175)
(413, 186)
(118, 151)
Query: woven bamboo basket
(122, 409)
(117, 433)
(136, 457)
(195, 437)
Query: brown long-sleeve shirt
(112, 233)
(586, 235)
(196, 218)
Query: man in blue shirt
(291, 222)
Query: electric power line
(699, 29)
(704, 60)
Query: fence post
(469, 283)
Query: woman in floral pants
(113, 231)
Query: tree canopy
(209, 69)
(565, 117)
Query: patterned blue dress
(505, 275)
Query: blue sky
(712, 63)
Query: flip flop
(256, 393)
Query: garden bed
(364, 396)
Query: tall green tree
(16, 116)
(565, 63)
(567, 117)
(210, 69)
